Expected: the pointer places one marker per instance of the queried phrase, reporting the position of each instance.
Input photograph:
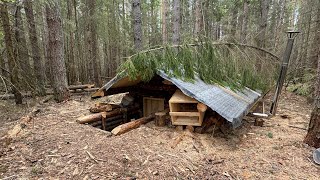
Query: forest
(54, 54)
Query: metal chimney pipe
(283, 71)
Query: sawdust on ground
(53, 145)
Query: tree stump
(258, 122)
(160, 119)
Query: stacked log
(109, 116)
(74, 89)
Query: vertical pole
(283, 71)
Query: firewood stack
(108, 116)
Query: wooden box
(185, 110)
(152, 105)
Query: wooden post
(103, 120)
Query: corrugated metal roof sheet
(231, 105)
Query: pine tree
(56, 51)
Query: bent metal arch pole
(283, 71)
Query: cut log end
(201, 107)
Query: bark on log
(108, 124)
(161, 118)
(101, 108)
(132, 125)
(89, 118)
(103, 119)
(84, 86)
(98, 116)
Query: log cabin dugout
(156, 88)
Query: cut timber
(101, 108)
(161, 118)
(103, 120)
(98, 116)
(108, 124)
(131, 125)
(185, 110)
(89, 118)
(49, 92)
(201, 107)
(84, 86)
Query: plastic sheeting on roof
(231, 105)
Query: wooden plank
(152, 105)
(188, 114)
(179, 97)
(189, 121)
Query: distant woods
(55, 43)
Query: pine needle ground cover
(229, 65)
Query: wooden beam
(186, 114)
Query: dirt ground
(54, 146)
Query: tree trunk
(9, 48)
(94, 44)
(73, 65)
(199, 20)
(316, 40)
(313, 136)
(79, 55)
(263, 21)
(22, 50)
(176, 22)
(164, 22)
(137, 24)
(38, 66)
(245, 19)
(56, 52)
(233, 23)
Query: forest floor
(53, 145)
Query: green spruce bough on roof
(228, 65)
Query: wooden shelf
(185, 110)
(188, 114)
(187, 121)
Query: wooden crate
(152, 105)
(185, 110)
